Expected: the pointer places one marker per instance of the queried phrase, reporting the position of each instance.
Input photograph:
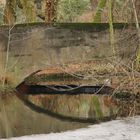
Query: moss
(75, 26)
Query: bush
(68, 10)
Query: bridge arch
(38, 46)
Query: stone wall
(37, 46)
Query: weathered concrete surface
(37, 46)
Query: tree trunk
(136, 14)
(51, 10)
(9, 12)
(29, 10)
(100, 7)
(137, 3)
(110, 13)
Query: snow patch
(127, 129)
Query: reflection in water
(54, 113)
(80, 107)
(16, 119)
(83, 107)
(64, 110)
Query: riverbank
(127, 128)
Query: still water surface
(17, 119)
(44, 114)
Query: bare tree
(51, 10)
(9, 12)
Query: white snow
(127, 129)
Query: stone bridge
(29, 47)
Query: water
(17, 119)
(41, 114)
(81, 108)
